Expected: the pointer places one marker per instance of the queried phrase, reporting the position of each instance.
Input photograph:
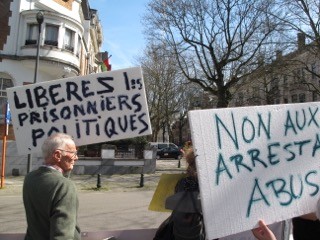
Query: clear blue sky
(122, 29)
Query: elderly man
(50, 199)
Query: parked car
(169, 152)
(160, 145)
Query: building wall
(5, 14)
(285, 80)
(55, 61)
(17, 58)
(67, 4)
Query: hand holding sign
(263, 232)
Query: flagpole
(3, 165)
(4, 144)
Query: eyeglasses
(75, 153)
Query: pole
(40, 21)
(38, 55)
(4, 143)
(99, 181)
(141, 180)
(3, 165)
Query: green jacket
(51, 205)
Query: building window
(32, 30)
(295, 74)
(302, 97)
(314, 96)
(69, 40)
(285, 81)
(51, 35)
(4, 84)
(79, 46)
(294, 98)
(255, 92)
(302, 75)
(313, 71)
(299, 75)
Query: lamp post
(39, 18)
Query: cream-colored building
(290, 78)
(70, 41)
(69, 34)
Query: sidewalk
(111, 183)
(119, 204)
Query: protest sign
(93, 108)
(254, 163)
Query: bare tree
(215, 42)
(303, 17)
(165, 89)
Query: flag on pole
(7, 119)
(105, 66)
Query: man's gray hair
(55, 141)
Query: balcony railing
(69, 47)
(51, 43)
(30, 42)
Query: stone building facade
(290, 78)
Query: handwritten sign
(93, 108)
(256, 163)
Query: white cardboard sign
(93, 108)
(256, 163)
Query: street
(120, 204)
(98, 211)
(124, 205)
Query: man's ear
(57, 155)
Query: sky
(122, 30)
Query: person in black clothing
(185, 221)
(306, 227)
(186, 205)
